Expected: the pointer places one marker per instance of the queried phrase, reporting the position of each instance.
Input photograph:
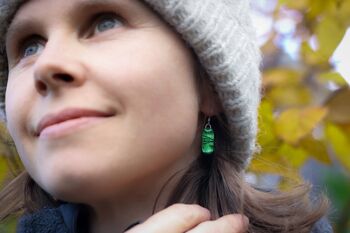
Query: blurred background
(305, 112)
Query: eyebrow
(88, 4)
(19, 26)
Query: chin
(65, 184)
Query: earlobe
(210, 104)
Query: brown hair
(214, 182)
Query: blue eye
(107, 22)
(32, 48)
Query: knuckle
(178, 207)
(190, 213)
(189, 216)
(234, 222)
(186, 208)
(226, 224)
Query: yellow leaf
(317, 149)
(266, 136)
(339, 107)
(294, 157)
(343, 12)
(329, 34)
(294, 124)
(271, 164)
(285, 161)
(281, 77)
(295, 4)
(340, 144)
(313, 58)
(265, 163)
(318, 8)
(289, 96)
(266, 113)
(334, 77)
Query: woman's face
(101, 96)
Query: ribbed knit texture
(222, 36)
(48, 220)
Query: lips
(66, 115)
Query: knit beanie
(221, 35)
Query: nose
(58, 66)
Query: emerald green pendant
(208, 139)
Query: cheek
(19, 93)
(14, 110)
(18, 103)
(157, 72)
(156, 84)
(157, 91)
(164, 104)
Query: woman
(121, 108)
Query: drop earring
(208, 139)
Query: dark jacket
(67, 218)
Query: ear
(210, 104)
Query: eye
(31, 47)
(107, 22)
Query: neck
(137, 202)
(137, 205)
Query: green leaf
(338, 188)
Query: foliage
(8, 226)
(305, 112)
(9, 166)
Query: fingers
(227, 224)
(177, 218)
(180, 218)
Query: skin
(117, 57)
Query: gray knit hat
(223, 38)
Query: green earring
(208, 138)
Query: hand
(181, 218)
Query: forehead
(33, 7)
(38, 12)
